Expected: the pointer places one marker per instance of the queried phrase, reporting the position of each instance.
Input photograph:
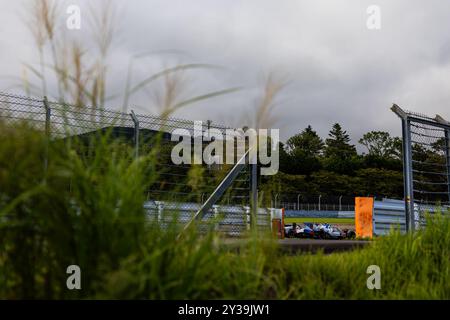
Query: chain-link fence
(312, 202)
(175, 183)
(426, 165)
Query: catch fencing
(140, 133)
(426, 162)
(312, 202)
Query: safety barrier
(233, 221)
(319, 214)
(388, 214)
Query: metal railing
(62, 121)
(311, 202)
(316, 206)
(231, 221)
(387, 215)
(426, 163)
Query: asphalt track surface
(298, 246)
(314, 245)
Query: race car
(349, 234)
(318, 231)
(327, 231)
(290, 230)
(330, 232)
(296, 231)
(306, 232)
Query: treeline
(332, 166)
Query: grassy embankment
(99, 224)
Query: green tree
(338, 144)
(304, 151)
(381, 144)
(380, 182)
(308, 141)
(285, 161)
(331, 183)
(439, 145)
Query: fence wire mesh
(427, 165)
(313, 202)
(430, 167)
(175, 183)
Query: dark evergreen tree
(338, 144)
(340, 155)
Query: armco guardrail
(346, 214)
(388, 214)
(230, 220)
(235, 220)
(319, 214)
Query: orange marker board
(363, 217)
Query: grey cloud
(339, 71)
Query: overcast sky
(338, 69)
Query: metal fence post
(136, 133)
(47, 131)
(219, 191)
(408, 175)
(447, 157)
(215, 209)
(320, 197)
(407, 167)
(409, 191)
(248, 215)
(160, 206)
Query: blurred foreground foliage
(90, 213)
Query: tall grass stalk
(81, 75)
